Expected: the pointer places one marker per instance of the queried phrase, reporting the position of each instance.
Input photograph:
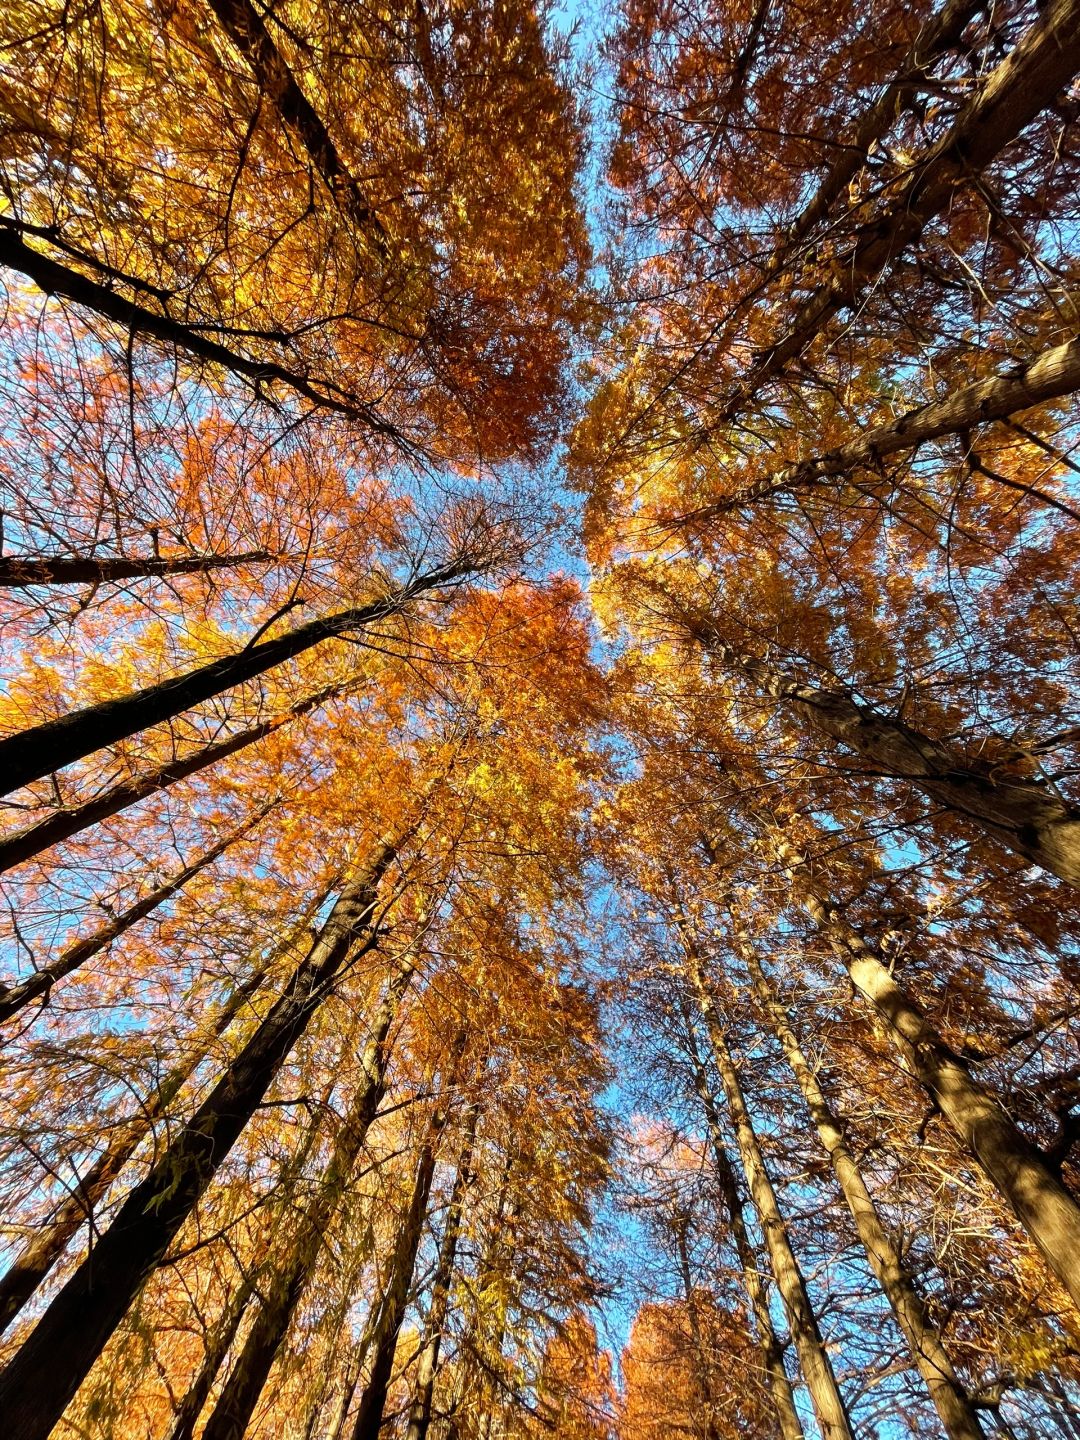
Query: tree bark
(44, 1375)
(1019, 1172)
(772, 1352)
(15, 997)
(424, 1389)
(24, 844)
(369, 1415)
(38, 1256)
(237, 1400)
(1027, 80)
(23, 571)
(34, 753)
(816, 1367)
(1053, 374)
(958, 1415)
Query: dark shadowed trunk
(21, 571)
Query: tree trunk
(34, 753)
(135, 318)
(1055, 373)
(424, 1390)
(24, 844)
(1027, 80)
(44, 1375)
(958, 1416)
(1020, 1173)
(236, 1403)
(37, 1258)
(816, 1366)
(395, 1301)
(772, 1352)
(22, 571)
(14, 998)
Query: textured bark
(15, 997)
(44, 1375)
(816, 1367)
(1022, 814)
(1055, 373)
(38, 1256)
(772, 1352)
(369, 1415)
(249, 34)
(1028, 80)
(218, 1345)
(958, 1416)
(424, 1388)
(24, 844)
(22, 571)
(1019, 1171)
(135, 318)
(34, 753)
(240, 1394)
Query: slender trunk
(958, 1416)
(21, 571)
(1019, 813)
(251, 37)
(1020, 1172)
(1055, 373)
(424, 1390)
(14, 998)
(34, 753)
(1027, 80)
(236, 1403)
(772, 1351)
(43, 1376)
(816, 1366)
(135, 318)
(705, 1399)
(37, 1258)
(24, 844)
(395, 1301)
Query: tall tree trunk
(706, 1399)
(395, 1301)
(178, 335)
(236, 1403)
(427, 1368)
(1019, 813)
(34, 753)
(1020, 1172)
(958, 1416)
(14, 998)
(22, 571)
(1056, 372)
(24, 844)
(772, 1352)
(1027, 80)
(810, 1347)
(37, 1258)
(41, 1379)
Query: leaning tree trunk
(1019, 1171)
(37, 1258)
(772, 1352)
(240, 1394)
(369, 1416)
(44, 1375)
(22, 571)
(24, 844)
(424, 1389)
(1027, 80)
(816, 1367)
(34, 753)
(15, 997)
(959, 1418)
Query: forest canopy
(539, 721)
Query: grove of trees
(540, 720)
